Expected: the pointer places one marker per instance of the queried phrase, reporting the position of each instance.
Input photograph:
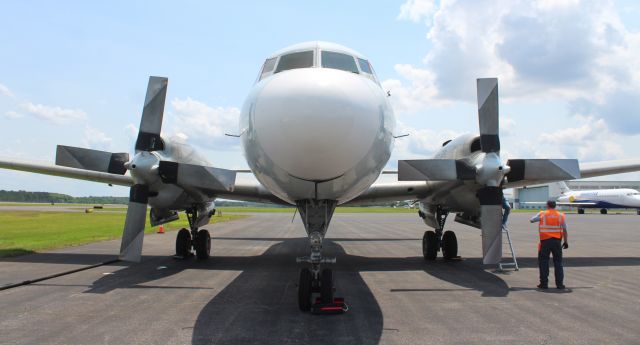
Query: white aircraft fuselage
(603, 198)
(317, 124)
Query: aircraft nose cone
(316, 124)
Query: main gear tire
(449, 245)
(430, 245)
(183, 243)
(203, 245)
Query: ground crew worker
(506, 209)
(552, 228)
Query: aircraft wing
(251, 191)
(587, 170)
(594, 169)
(418, 190)
(62, 171)
(247, 191)
(394, 191)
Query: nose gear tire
(304, 290)
(326, 286)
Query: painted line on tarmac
(31, 281)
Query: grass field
(24, 232)
(10, 203)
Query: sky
(75, 73)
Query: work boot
(560, 287)
(543, 286)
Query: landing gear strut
(316, 215)
(433, 241)
(199, 240)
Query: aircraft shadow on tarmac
(260, 306)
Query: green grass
(28, 231)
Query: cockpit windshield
(339, 61)
(267, 68)
(325, 59)
(295, 60)
(364, 66)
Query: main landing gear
(199, 240)
(315, 281)
(433, 241)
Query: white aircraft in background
(316, 130)
(599, 198)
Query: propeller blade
(133, 235)
(434, 170)
(491, 224)
(197, 176)
(152, 113)
(488, 114)
(87, 159)
(543, 169)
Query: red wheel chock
(336, 307)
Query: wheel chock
(338, 306)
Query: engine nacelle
(460, 147)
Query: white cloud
(55, 115)
(421, 143)
(592, 140)
(550, 5)
(416, 10)
(131, 131)
(420, 93)
(12, 115)
(6, 92)
(558, 49)
(205, 125)
(96, 139)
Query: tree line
(46, 197)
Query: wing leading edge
(242, 191)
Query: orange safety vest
(551, 222)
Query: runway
(246, 294)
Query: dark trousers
(550, 246)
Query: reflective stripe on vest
(551, 222)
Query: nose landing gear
(315, 281)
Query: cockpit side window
(339, 61)
(295, 60)
(267, 68)
(364, 66)
(367, 70)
